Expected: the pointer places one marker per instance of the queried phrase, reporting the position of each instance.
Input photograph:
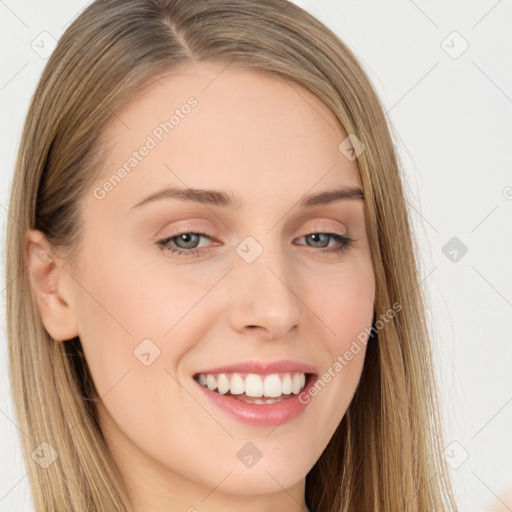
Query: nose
(264, 297)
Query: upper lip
(261, 367)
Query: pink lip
(260, 415)
(283, 366)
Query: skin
(270, 142)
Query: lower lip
(261, 415)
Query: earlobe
(51, 287)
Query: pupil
(316, 236)
(187, 238)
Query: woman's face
(258, 279)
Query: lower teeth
(259, 401)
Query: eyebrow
(220, 198)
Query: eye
(322, 240)
(186, 242)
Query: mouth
(257, 399)
(254, 388)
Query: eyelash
(345, 241)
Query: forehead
(206, 125)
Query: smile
(253, 385)
(255, 399)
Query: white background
(453, 120)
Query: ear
(51, 286)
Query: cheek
(154, 296)
(115, 313)
(126, 310)
(136, 300)
(345, 302)
(346, 307)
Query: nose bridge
(264, 294)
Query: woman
(221, 309)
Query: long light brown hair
(386, 454)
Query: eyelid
(325, 229)
(183, 229)
(190, 229)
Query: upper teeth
(254, 385)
